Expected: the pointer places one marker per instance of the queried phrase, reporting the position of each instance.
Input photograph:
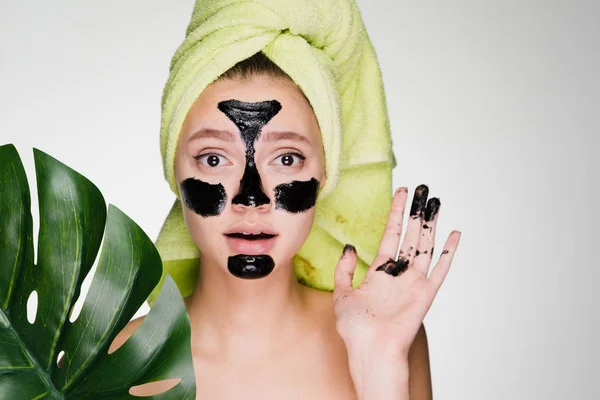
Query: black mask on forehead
(250, 119)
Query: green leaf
(73, 223)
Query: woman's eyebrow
(273, 136)
(205, 133)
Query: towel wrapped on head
(324, 47)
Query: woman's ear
(324, 180)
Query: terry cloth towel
(324, 47)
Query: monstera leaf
(73, 223)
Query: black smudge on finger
(250, 267)
(296, 196)
(204, 198)
(348, 248)
(432, 209)
(419, 201)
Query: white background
(493, 104)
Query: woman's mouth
(250, 243)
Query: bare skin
(268, 338)
(315, 367)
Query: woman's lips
(250, 245)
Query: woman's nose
(250, 192)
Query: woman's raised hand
(380, 318)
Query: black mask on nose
(250, 119)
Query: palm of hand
(384, 313)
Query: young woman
(249, 165)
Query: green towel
(324, 47)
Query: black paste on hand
(433, 207)
(202, 197)
(296, 196)
(394, 268)
(419, 201)
(250, 267)
(250, 119)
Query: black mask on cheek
(250, 119)
(202, 197)
(296, 196)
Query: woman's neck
(245, 320)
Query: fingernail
(347, 248)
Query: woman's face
(249, 164)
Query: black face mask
(250, 119)
(210, 200)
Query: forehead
(295, 115)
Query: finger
(424, 253)
(344, 270)
(388, 247)
(439, 272)
(415, 223)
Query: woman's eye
(290, 159)
(211, 160)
